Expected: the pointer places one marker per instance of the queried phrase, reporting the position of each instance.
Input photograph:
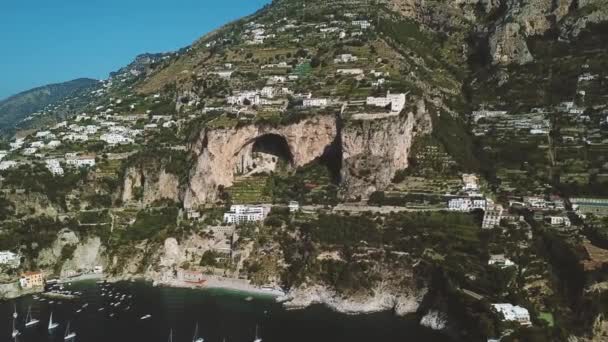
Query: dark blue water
(220, 314)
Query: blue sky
(46, 41)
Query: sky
(43, 42)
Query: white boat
(52, 325)
(15, 331)
(197, 338)
(257, 338)
(171, 335)
(145, 317)
(29, 320)
(79, 311)
(15, 314)
(69, 335)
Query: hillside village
(501, 235)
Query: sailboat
(197, 338)
(15, 314)
(29, 320)
(68, 335)
(171, 335)
(52, 325)
(15, 331)
(257, 338)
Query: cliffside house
(492, 216)
(513, 313)
(500, 260)
(396, 101)
(189, 276)
(30, 280)
(293, 206)
(465, 204)
(245, 213)
(10, 259)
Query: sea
(113, 313)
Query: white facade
(364, 24)
(81, 161)
(115, 138)
(513, 313)
(559, 221)
(397, 101)
(308, 103)
(500, 261)
(355, 71)
(345, 58)
(492, 216)
(54, 167)
(9, 258)
(294, 206)
(7, 164)
(466, 204)
(245, 213)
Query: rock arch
(263, 154)
(219, 150)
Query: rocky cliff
(149, 184)
(221, 151)
(374, 150)
(505, 25)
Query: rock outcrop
(374, 150)
(220, 151)
(381, 299)
(149, 184)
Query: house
(364, 24)
(585, 206)
(513, 313)
(54, 167)
(193, 214)
(29, 151)
(7, 164)
(492, 216)
(466, 203)
(396, 101)
(10, 259)
(562, 221)
(355, 71)
(293, 206)
(470, 181)
(190, 276)
(313, 102)
(98, 269)
(345, 58)
(225, 74)
(115, 138)
(30, 280)
(245, 213)
(81, 161)
(500, 261)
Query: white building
(355, 71)
(465, 204)
(54, 167)
(115, 138)
(513, 313)
(559, 221)
(500, 261)
(7, 164)
(294, 206)
(345, 58)
(364, 24)
(53, 144)
(396, 101)
(81, 161)
(245, 213)
(492, 216)
(9, 258)
(470, 182)
(312, 102)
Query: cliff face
(505, 24)
(374, 150)
(85, 254)
(221, 151)
(149, 184)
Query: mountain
(18, 107)
(393, 123)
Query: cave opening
(274, 145)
